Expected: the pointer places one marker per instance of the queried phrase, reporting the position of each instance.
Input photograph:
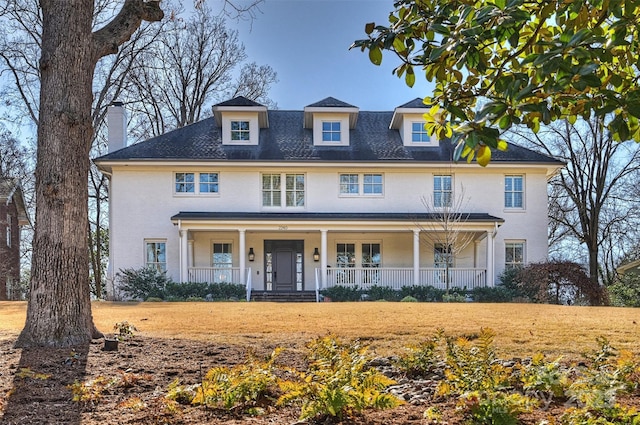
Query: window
(442, 256)
(272, 189)
(156, 252)
(185, 183)
(8, 231)
(418, 133)
(331, 131)
(349, 184)
(196, 183)
(371, 257)
(295, 190)
(513, 255)
(208, 182)
(441, 191)
(222, 258)
(346, 255)
(240, 131)
(372, 184)
(513, 191)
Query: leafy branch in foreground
(501, 63)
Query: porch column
(242, 255)
(416, 257)
(184, 255)
(490, 258)
(323, 257)
(476, 253)
(190, 252)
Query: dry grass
(522, 329)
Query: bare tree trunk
(59, 264)
(59, 309)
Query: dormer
(331, 119)
(409, 121)
(241, 120)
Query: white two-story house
(287, 201)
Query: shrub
(343, 293)
(225, 291)
(409, 299)
(154, 300)
(185, 290)
(422, 293)
(143, 283)
(376, 293)
(625, 291)
(496, 294)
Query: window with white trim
(156, 254)
(196, 183)
(222, 255)
(442, 256)
(331, 131)
(514, 191)
(418, 133)
(513, 255)
(371, 255)
(289, 195)
(366, 184)
(442, 191)
(240, 131)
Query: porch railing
(249, 284)
(396, 278)
(214, 274)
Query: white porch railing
(214, 274)
(396, 278)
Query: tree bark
(59, 308)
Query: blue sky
(307, 43)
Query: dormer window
(330, 119)
(240, 131)
(408, 120)
(331, 131)
(418, 133)
(240, 121)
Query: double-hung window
(240, 131)
(156, 255)
(513, 191)
(513, 255)
(442, 256)
(442, 191)
(291, 195)
(367, 184)
(418, 133)
(196, 183)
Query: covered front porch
(271, 252)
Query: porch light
(316, 255)
(252, 255)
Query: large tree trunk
(59, 309)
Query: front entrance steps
(284, 296)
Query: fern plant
(338, 382)
(238, 386)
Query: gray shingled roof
(287, 140)
(330, 102)
(239, 101)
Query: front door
(283, 265)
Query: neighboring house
(299, 200)
(13, 215)
(632, 267)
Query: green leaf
(634, 109)
(398, 45)
(375, 55)
(591, 80)
(410, 77)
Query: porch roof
(332, 216)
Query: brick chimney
(116, 127)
